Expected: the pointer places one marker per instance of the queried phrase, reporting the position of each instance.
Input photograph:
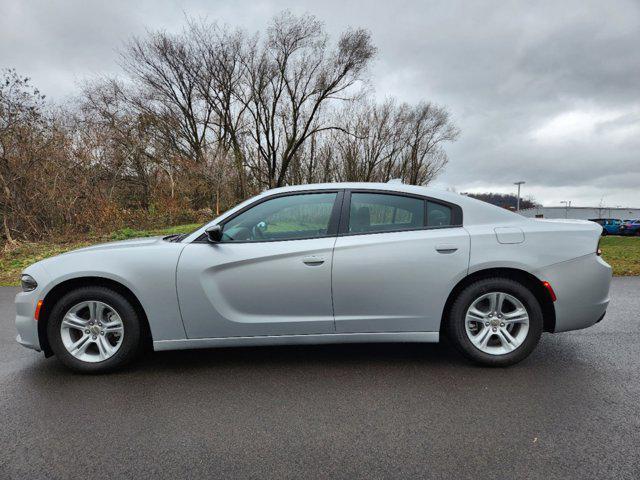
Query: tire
(498, 352)
(124, 339)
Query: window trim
(343, 231)
(332, 229)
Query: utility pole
(518, 201)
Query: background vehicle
(610, 226)
(630, 227)
(330, 263)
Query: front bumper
(26, 324)
(582, 289)
(26, 303)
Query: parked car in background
(330, 263)
(610, 226)
(630, 227)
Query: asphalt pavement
(571, 410)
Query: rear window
(381, 212)
(439, 215)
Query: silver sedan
(329, 263)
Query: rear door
(395, 261)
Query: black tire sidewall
(456, 321)
(132, 331)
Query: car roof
(474, 211)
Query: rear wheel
(495, 322)
(94, 330)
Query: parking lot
(571, 410)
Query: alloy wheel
(92, 331)
(497, 323)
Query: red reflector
(38, 307)
(547, 285)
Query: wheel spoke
(519, 315)
(79, 347)
(475, 315)
(104, 347)
(499, 302)
(482, 338)
(507, 341)
(96, 310)
(113, 327)
(71, 320)
(493, 301)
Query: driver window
(283, 218)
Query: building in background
(581, 213)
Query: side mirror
(214, 233)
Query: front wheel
(495, 322)
(94, 330)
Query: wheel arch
(61, 289)
(529, 280)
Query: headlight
(28, 283)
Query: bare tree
(166, 68)
(201, 120)
(289, 80)
(428, 127)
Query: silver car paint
(396, 281)
(377, 280)
(245, 289)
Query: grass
(622, 253)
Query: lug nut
(486, 325)
(494, 329)
(502, 324)
(99, 324)
(101, 332)
(86, 331)
(93, 337)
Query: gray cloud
(548, 92)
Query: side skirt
(319, 339)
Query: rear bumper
(582, 289)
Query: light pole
(518, 201)
(567, 206)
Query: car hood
(131, 243)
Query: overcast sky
(545, 92)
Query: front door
(269, 275)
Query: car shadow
(286, 363)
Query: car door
(269, 275)
(395, 262)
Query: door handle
(313, 261)
(446, 248)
